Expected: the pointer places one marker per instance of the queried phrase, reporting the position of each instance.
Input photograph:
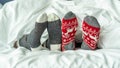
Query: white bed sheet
(18, 17)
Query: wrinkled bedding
(18, 18)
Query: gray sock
(33, 39)
(69, 26)
(35, 35)
(54, 32)
(23, 42)
(94, 26)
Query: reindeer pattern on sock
(68, 30)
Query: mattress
(18, 18)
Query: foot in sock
(54, 32)
(33, 39)
(69, 28)
(23, 42)
(91, 31)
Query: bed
(17, 18)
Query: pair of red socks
(90, 32)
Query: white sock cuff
(52, 17)
(42, 18)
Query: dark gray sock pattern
(93, 22)
(54, 32)
(35, 35)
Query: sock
(33, 39)
(91, 31)
(54, 32)
(23, 42)
(69, 27)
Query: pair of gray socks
(53, 25)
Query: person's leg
(69, 28)
(23, 42)
(54, 32)
(32, 40)
(91, 31)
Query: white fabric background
(18, 18)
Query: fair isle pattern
(69, 27)
(90, 35)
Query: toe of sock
(42, 18)
(69, 15)
(92, 21)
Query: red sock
(91, 33)
(68, 28)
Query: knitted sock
(23, 42)
(91, 31)
(69, 26)
(33, 39)
(54, 31)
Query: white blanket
(18, 18)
